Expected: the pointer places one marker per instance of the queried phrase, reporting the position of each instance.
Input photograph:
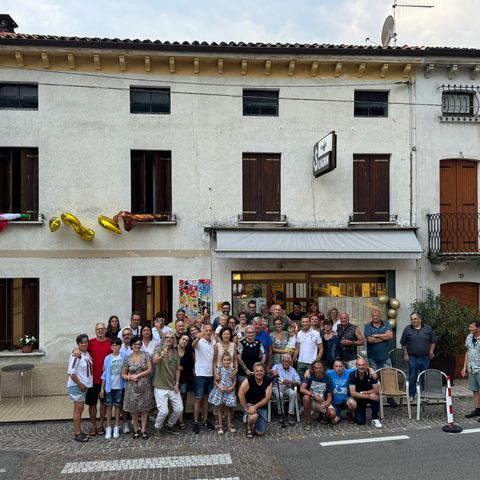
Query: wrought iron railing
(453, 234)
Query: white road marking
(144, 463)
(364, 440)
(471, 430)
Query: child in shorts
(112, 387)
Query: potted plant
(449, 320)
(27, 341)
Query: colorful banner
(195, 296)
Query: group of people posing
(246, 360)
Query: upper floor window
(370, 104)
(18, 95)
(19, 181)
(459, 101)
(149, 100)
(261, 187)
(18, 310)
(260, 102)
(151, 182)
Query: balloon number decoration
(109, 224)
(394, 305)
(69, 219)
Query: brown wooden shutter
(5, 180)
(371, 188)
(163, 183)
(6, 327)
(270, 188)
(139, 296)
(361, 187)
(29, 181)
(261, 187)
(30, 307)
(380, 189)
(251, 187)
(138, 182)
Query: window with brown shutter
(261, 187)
(371, 188)
(19, 307)
(19, 181)
(151, 182)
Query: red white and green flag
(8, 217)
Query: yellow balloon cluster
(394, 306)
(109, 224)
(85, 233)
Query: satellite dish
(388, 31)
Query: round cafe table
(22, 369)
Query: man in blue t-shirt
(317, 395)
(341, 393)
(378, 334)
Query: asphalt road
(424, 455)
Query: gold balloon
(109, 224)
(74, 222)
(394, 303)
(54, 224)
(393, 322)
(392, 313)
(383, 299)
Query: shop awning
(341, 244)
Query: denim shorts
(183, 387)
(203, 387)
(75, 394)
(114, 397)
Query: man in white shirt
(134, 326)
(309, 347)
(204, 346)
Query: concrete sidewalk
(60, 407)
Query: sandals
(92, 432)
(231, 430)
(136, 435)
(307, 427)
(220, 431)
(249, 434)
(182, 426)
(81, 437)
(101, 431)
(145, 436)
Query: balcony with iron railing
(453, 236)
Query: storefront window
(353, 292)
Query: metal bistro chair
(284, 400)
(393, 383)
(430, 388)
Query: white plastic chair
(430, 388)
(393, 383)
(284, 400)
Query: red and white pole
(451, 427)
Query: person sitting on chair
(288, 379)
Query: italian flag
(7, 217)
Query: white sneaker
(116, 432)
(126, 428)
(108, 433)
(376, 423)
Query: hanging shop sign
(325, 155)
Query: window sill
(18, 353)
(26, 222)
(157, 223)
(280, 223)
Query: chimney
(7, 23)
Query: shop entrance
(353, 292)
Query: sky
(450, 23)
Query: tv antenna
(388, 29)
